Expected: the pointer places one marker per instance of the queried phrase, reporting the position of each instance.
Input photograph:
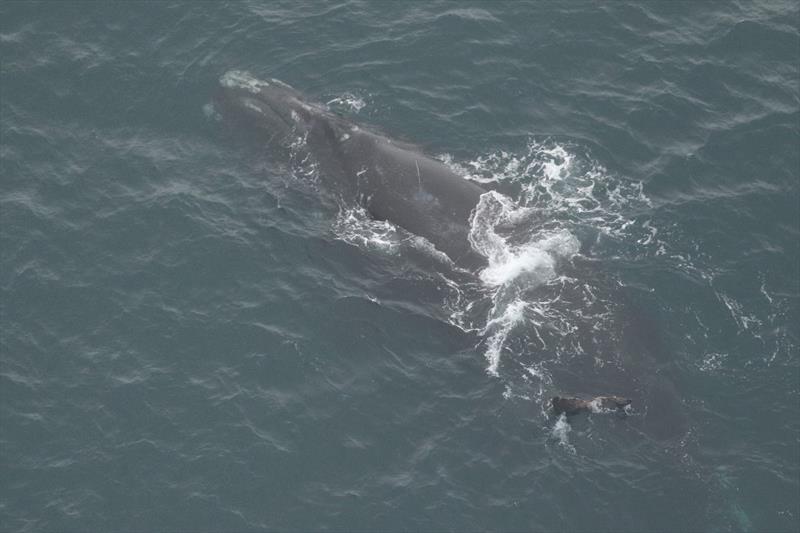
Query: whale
(392, 180)
(397, 182)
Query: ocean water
(194, 336)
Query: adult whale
(392, 180)
(395, 181)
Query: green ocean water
(195, 337)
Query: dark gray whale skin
(392, 180)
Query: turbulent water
(196, 336)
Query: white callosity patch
(249, 104)
(281, 83)
(243, 80)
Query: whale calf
(392, 180)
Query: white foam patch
(508, 262)
(510, 394)
(348, 101)
(561, 431)
(561, 180)
(712, 362)
(303, 166)
(536, 259)
(760, 321)
(512, 269)
(498, 329)
(744, 321)
(354, 226)
(243, 80)
(540, 160)
(210, 112)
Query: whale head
(268, 106)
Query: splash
(498, 329)
(354, 226)
(561, 181)
(347, 102)
(513, 270)
(561, 431)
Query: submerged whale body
(393, 181)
